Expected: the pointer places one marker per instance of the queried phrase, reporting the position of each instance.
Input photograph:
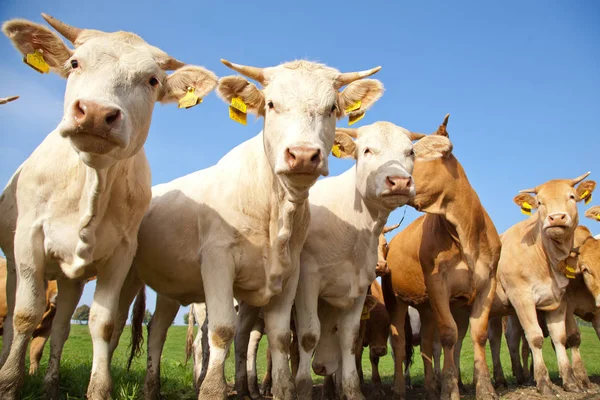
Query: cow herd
(258, 244)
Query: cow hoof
(571, 387)
(591, 387)
(547, 388)
(500, 384)
(51, 388)
(378, 392)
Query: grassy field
(177, 376)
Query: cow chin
(556, 232)
(393, 201)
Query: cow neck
(368, 215)
(555, 251)
(462, 215)
(95, 195)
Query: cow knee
(282, 342)
(25, 321)
(537, 342)
(573, 340)
(222, 336)
(448, 336)
(309, 342)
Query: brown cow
(532, 274)
(457, 247)
(583, 300)
(42, 331)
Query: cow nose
(381, 268)
(379, 351)
(303, 159)
(398, 183)
(320, 369)
(95, 117)
(557, 219)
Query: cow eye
(153, 81)
(270, 104)
(411, 153)
(74, 64)
(367, 151)
(572, 197)
(333, 108)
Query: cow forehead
(124, 49)
(305, 81)
(384, 133)
(555, 189)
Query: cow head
(589, 258)
(113, 82)
(382, 249)
(385, 158)
(556, 202)
(300, 102)
(378, 330)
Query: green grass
(177, 377)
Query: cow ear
(236, 86)
(358, 97)
(593, 213)
(197, 79)
(343, 146)
(584, 191)
(526, 202)
(432, 147)
(31, 38)
(370, 302)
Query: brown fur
(440, 254)
(309, 342)
(107, 331)
(223, 336)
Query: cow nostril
(112, 116)
(409, 182)
(79, 110)
(316, 157)
(389, 182)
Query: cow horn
(445, 123)
(251, 72)
(352, 132)
(8, 99)
(580, 178)
(349, 77)
(416, 136)
(387, 229)
(68, 31)
(532, 190)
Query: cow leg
(526, 312)
(308, 329)
(29, 306)
(40, 337)
(431, 351)
(514, 334)
(398, 340)
(255, 336)
(437, 356)
(69, 293)
(358, 350)
(375, 377)
(527, 368)
(166, 310)
(495, 335)
(217, 274)
(557, 328)
(573, 342)
(596, 324)
(11, 289)
(277, 315)
(439, 299)
(130, 289)
(329, 388)
(349, 325)
(461, 317)
(478, 321)
(246, 318)
(267, 383)
(103, 313)
(200, 346)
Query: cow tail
(189, 340)
(408, 345)
(137, 320)
(389, 297)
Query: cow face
(385, 159)
(556, 202)
(589, 259)
(378, 330)
(113, 82)
(300, 103)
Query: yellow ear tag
(598, 217)
(190, 99)
(354, 106)
(355, 118)
(237, 110)
(365, 314)
(526, 208)
(570, 269)
(587, 201)
(335, 150)
(37, 62)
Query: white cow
(73, 208)
(236, 229)
(338, 259)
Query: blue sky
(520, 80)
